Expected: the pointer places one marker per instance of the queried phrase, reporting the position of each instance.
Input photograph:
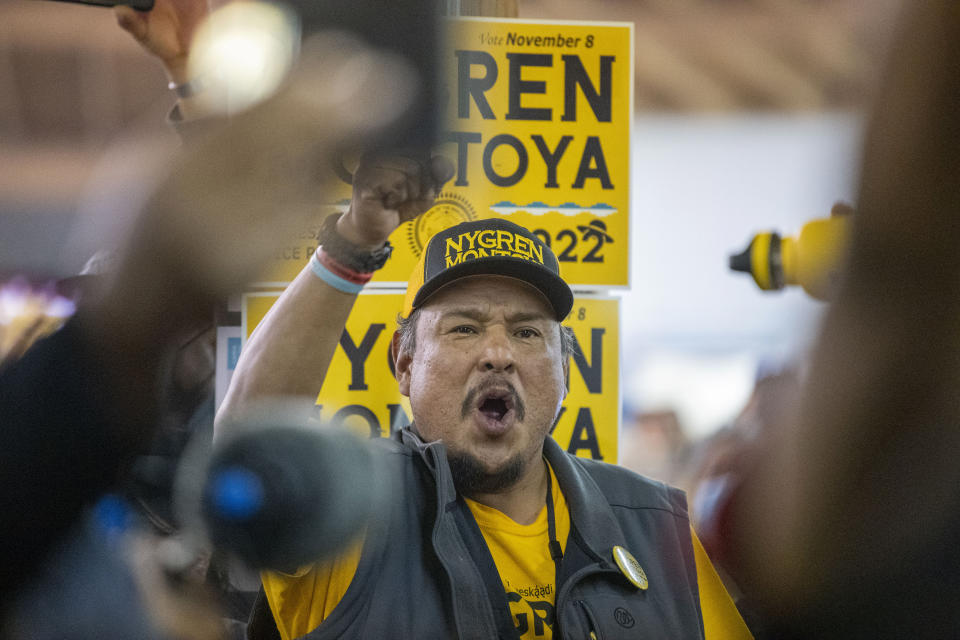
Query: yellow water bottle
(811, 259)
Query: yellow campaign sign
(538, 121)
(361, 393)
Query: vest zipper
(591, 622)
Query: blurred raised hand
(233, 196)
(165, 31)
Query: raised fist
(388, 191)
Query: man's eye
(527, 332)
(464, 329)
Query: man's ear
(566, 376)
(401, 364)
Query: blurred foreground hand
(165, 31)
(232, 197)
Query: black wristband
(347, 254)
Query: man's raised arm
(289, 353)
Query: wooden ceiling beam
(770, 54)
(666, 80)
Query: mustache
(470, 401)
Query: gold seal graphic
(449, 210)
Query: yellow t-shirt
(300, 602)
(523, 560)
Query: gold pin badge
(630, 568)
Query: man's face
(486, 377)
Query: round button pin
(630, 568)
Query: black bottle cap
(741, 261)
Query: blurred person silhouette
(143, 505)
(718, 465)
(93, 550)
(654, 444)
(847, 527)
(83, 402)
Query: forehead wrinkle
(471, 312)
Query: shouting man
(493, 530)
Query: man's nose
(497, 352)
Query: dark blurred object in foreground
(83, 402)
(407, 29)
(848, 526)
(281, 496)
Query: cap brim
(552, 286)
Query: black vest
(419, 578)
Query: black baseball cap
(494, 247)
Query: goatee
(471, 478)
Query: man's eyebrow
(527, 316)
(474, 313)
(477, 314)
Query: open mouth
(495, 404)
(495, 408)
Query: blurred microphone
(283, 496)
(139, 5)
